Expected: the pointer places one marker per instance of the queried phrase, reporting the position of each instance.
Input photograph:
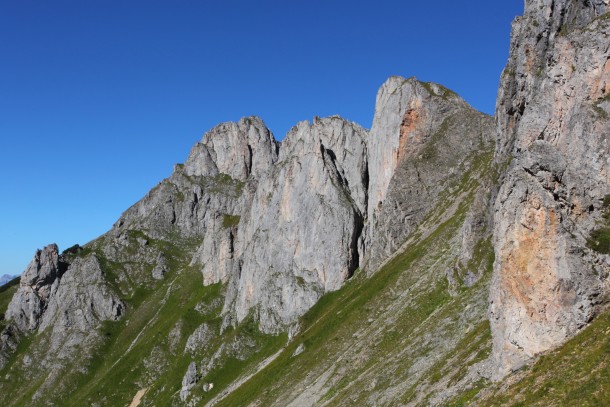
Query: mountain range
(443, 257)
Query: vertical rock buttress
(552, 136)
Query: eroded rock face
(299, 238)
(237, 149)
(82, 297)
(552, 119)
(66, 299)
(36, 286)
(190, 379)
(82, 300)
(210, 183)
(422, 136)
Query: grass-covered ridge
(146, 348)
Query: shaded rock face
(421, 137)
(82, 300)
(189, 381)
(82, 297)
(160, 268)
(299, 238)
(552, 127)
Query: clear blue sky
(98, 99)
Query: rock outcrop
(552, 125)
(189, 381)
(37, 283)
(422, 136)
(208, 185)
(66, 298)
(240, 150)
(298, 240)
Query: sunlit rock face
(552, 135)
(422, 136)
(299, 238)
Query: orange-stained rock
(553, 129)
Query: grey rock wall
(299, 238)
(552, 134)
(422, 137)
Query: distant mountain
(6, 278)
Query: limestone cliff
(422, 136)
(553, 128)
(298, 240)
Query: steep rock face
(237, 149)
(281, 229)
(422, 135)
(36, 285)
(299, 238)
(552, 119)
(81, 300)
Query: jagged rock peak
(238, 149)
(36, 283)
(43, 268)
(54, 289)
(342, 142)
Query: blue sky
(98, 99)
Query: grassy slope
(145, 348)
(577, 374)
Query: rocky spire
(36, 286)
